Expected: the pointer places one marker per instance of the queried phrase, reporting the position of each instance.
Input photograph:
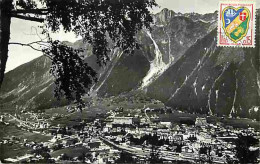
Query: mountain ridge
(178, 63)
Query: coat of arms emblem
(236, 22)
(236, 25)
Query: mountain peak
(164, 15)
(165, 10)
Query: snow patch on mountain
(216, 91)
(157, 66)
(203, 87)
(21, 89)
(254, 109)
(198, 66)
(234, 100)
(44, 89)
(195, 86)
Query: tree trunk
(5, 21)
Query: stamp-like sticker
(236, 23)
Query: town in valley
(120, 135)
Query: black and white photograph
(130, 81)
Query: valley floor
(110, 131)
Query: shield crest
(235, 22)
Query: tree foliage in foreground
(73, 76)
(101, 23)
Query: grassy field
(71, 151)
(175, 117)
(8, 131)
(69, 119)
(11, 150)
(236, 123)
(133, 104)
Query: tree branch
(22, 44)
(41, 20)
(30, 45)
(31, 11)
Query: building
(1, 118)
(166, 124)
(125, 120)
(201, 121)
(178, 138)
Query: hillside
(178, 63)
(171, 36)
(30, 86)
(213, 80)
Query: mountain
(30, 86)
(171, 36)
(178, 63)
(213, 80)
(188, 71)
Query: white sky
(21, 31)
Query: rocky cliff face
(171, 36)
